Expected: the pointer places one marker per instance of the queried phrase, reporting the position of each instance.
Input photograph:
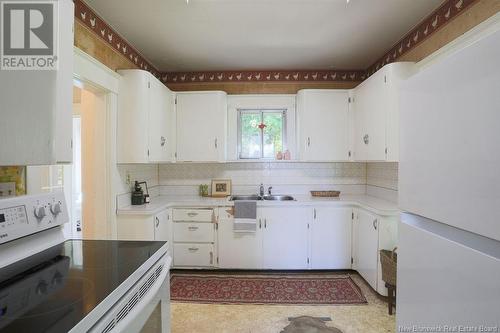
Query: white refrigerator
(449, 191)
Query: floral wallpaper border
(99, 27)
(431, 24)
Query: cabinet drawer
(193, 232)
(193, 215)
(193, 255)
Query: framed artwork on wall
(221, 187)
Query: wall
(13, 174)
(90, 43)
(382, 180)
(261, 87)
(88, 39)
(129, 173)
(379, 179)
(474, 15)
(285, 177)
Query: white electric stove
(49, 284)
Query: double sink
(265, 197)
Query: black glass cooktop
(55, 289)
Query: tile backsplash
(280, 173)
(382, 174)
(285, 177)
(132, 172)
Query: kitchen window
(261, 133)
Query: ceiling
(205, 35)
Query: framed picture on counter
(221, 187)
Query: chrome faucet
(269, 189)
(261, 190)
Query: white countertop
(159, 203)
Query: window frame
(283, 111)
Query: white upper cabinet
(145, 119)
(35, 105)
(376, 114)
(201, 126)
(323, 125)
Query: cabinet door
(135, 228)
(131, 132)
(285, 237)
(366, 244)
(160, 109)
(370, 108)
(331, 238)
(236, 249)
(194, 254)
(323, 120)
(161, 226)
(201, 126)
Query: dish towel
(245, 216)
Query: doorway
(85, 181)
(89, 170)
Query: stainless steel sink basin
(258, 197)
(278, 197)
(245, 197)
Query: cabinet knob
(215, 143)
(157, 222)
(308, 141)
(366, 139)
(375, 224)
(163, 141)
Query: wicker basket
(329, 194)
(389, 261)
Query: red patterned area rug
(265, 289)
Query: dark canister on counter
(137, 195)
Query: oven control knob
(55, 208)
(39, 212)
(41, 289)
(57, 279)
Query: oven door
(145, 306)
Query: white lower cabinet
(194, 237)
(238, 250)
(145, 227)
(194, 254)
(371, 234)
(366, 246)
(194, 232)
(285, 237)
(280, 241)
(330, 234)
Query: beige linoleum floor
(214, 318)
